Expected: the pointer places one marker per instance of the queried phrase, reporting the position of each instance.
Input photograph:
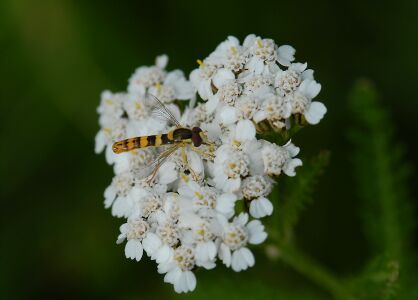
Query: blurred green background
(56, 56)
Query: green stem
(314, 271)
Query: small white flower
(135, 230)
(201, 114)
(256, 186)
(275, 109)
(285, 55)
(145, 201)
(229, 166)
(206, 200)
(263, 53)
(175, 86)
(116, 194)
(145, 77)
(230, 54)
(202, 78)
(315, 112)
(289, 80)
(229, 92)
(236, 235)
(301, 101)
(227, 115)
(248, 106)
(277, 159)
(111, 107)
(257, 85)
(178, 269)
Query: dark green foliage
(296, 192)
(379, 280)
(225, 284)
(382, 185)
(380, 173)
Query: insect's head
(197, 136)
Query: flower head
(179, 199)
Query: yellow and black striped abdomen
(160, 139)
(143, 142)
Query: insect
(178, 138)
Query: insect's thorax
(188, 135)
(182, 134)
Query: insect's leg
(208, 155)
(153, 174)
(184, 157)
(161, 160)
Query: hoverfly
(178, 138)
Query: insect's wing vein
(153, 167)
(160, 110)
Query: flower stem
(314, 271)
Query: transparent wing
(153, 167)
(159, 110)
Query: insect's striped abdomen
(143, 142)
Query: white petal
(120, 207)
(180, 286)
(241, 219)
(260, 116)
(173, 275)
(225, 254)
(191, 280)
(289, 167)
(167, 173)
(315, 112)
(211, 104)
(213, 130)
(298, 67)
(310, 88)
(101, 142)
(133, 250)
(242, 259)
(286, 55)
(225, 203)
(164, 254)
(184, 90)
(195, 162)
(166, 267)
(205, 89)
(261, 207)
(110, 155)
(249, 40)
(205, 251)
(173, 77)
(122, 236)
(222, 76)
(256, 233)
(232, 185)
(122, 163)
(256, 65)
(161, 61)
(228, 115)
(248, 256)
(308, 74)
(110, 195)
(195, 77)
(151, 244)
(245, 131)
(292, 149)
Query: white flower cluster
(186, 216)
